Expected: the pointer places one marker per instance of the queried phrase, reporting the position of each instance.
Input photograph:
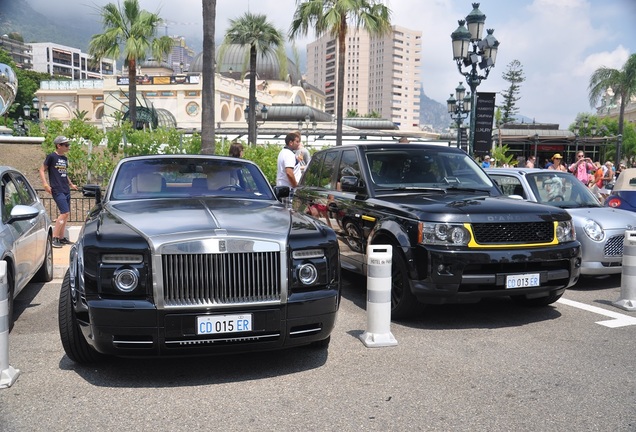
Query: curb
(59, 271)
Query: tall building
(382, 74)
(181, 55)
(55, 59)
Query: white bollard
(378, 334)
(8, 375)
(628, 277)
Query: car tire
(537, 302)
(45, 273)
(75, 346)
(403, 302)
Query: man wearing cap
(557, 164)
(59, 185)
(486, 162)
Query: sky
(559, 43)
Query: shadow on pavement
(488, 313)
(196, 371)
(24, 300)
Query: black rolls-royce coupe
(190, 255)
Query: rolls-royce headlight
(307, 274)
(443, 233)
(126, 279)
(593, 230)
(122, 258)
(565, 231)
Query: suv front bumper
(452, 276)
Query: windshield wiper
(411, 188)
(468, 189)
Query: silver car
(25, 234)
(600, 229)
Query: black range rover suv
(455, 237)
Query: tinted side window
(349, 165)
(312, 175)
(327, 172)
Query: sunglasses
(66, 144)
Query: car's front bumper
(453, 276)
(604, 257)
(138, 329)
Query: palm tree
(207, 98)
(623, 85)
(335, 17)
(262, 38)
(131, 31)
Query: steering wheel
(557, 198)
(234, 187)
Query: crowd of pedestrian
(592, 173)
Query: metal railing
(80, 206)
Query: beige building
(177, 98)
(382, 74)
(610, 108)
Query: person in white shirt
(287, 164)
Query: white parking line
(618, 319)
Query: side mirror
(351, 184)
(22, 212)
(93, 190)
(281, 192)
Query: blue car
(623, 194)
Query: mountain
(18, 16)
(433, 113)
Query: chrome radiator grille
(227, 278)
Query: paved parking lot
(492, 366)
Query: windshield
(180, 177)
(425, 169)
(562, 190)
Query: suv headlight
(565, 231)
(593, 230)
(443, 234)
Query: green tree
(514, 75)
(207, 98)
(623, 85)
(129, 31)
(335, 17)
(261, 37)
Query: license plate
(523, 280)
(222, 324)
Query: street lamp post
(264, 112)
(584, 132)
(307, 123)
(459, 107)
(471, 51)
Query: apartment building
(382, 74)
(19, 51)
(55, 59)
